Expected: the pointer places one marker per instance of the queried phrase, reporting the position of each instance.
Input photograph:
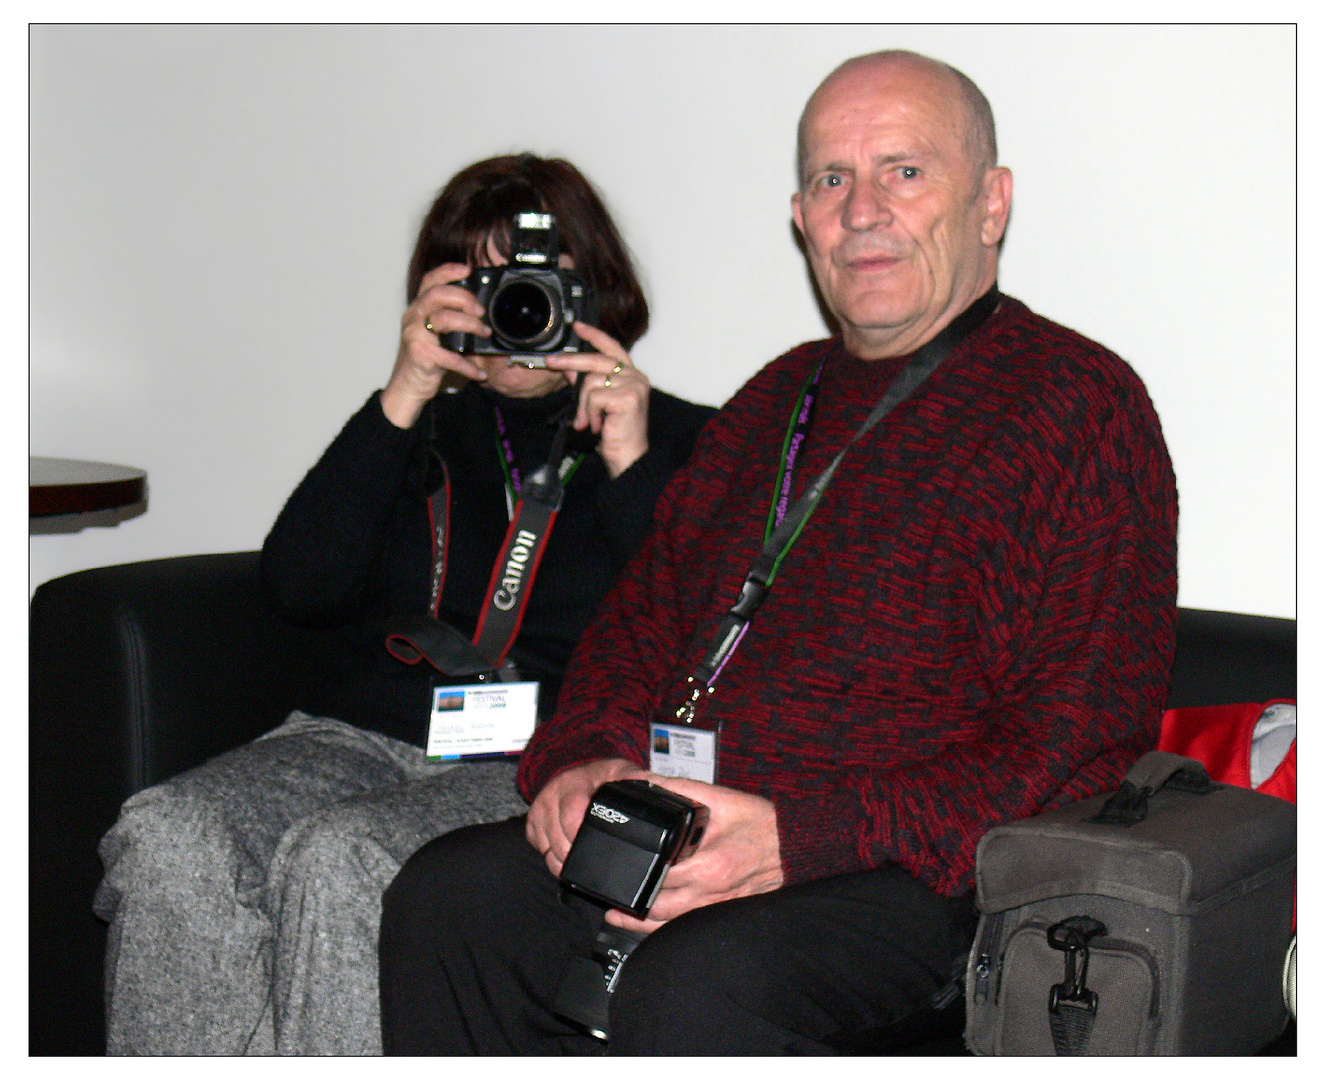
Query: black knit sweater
(977, 623)
(353, 544)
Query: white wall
(221, 216)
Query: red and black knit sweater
(976, 624)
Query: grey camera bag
(1153, 921)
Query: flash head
(632, 832)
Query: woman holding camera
(244, 896)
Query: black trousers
(476, 934)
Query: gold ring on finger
(616, 370)
(427, 325)
(607, 383)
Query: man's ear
(796, 213)
(997, 196)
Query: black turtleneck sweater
(353, 544)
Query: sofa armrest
(167, 662)
(136, 672)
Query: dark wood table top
(65, 486)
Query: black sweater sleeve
(322, 558)
(626, 503)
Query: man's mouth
(868, 262)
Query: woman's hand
(441, 307)
(614, 398)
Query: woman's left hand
(614, 398)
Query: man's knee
(454, 881)
(698, 973)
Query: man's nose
(866, 207)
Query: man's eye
(909, 172)
(832, 180)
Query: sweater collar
(535, 408)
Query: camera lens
(523, 313)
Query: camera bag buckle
(1072, 1005)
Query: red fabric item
(1219, 736)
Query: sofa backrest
(1224, 658)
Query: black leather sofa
(140, 671)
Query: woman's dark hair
(483, 199)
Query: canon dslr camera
(632, 832)
(531, 302)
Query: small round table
(64, 486)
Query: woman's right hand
(442, 306)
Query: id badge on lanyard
(678, 746)
(681, 750)
(484, 720)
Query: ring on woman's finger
(427, 325)
(607, 383)
(616, 370)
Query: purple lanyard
(509, 468)
(797, 432)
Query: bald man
(972, 621)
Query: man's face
(901, 232)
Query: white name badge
(675, 750)
(491, 718)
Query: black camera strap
(785, 523)
(521, 552)
(532, 506)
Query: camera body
(632, 832)
(531, 302)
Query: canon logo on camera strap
(504, 598)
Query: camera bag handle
(785, 525)
(1152, 771)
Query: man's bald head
(977, 116)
